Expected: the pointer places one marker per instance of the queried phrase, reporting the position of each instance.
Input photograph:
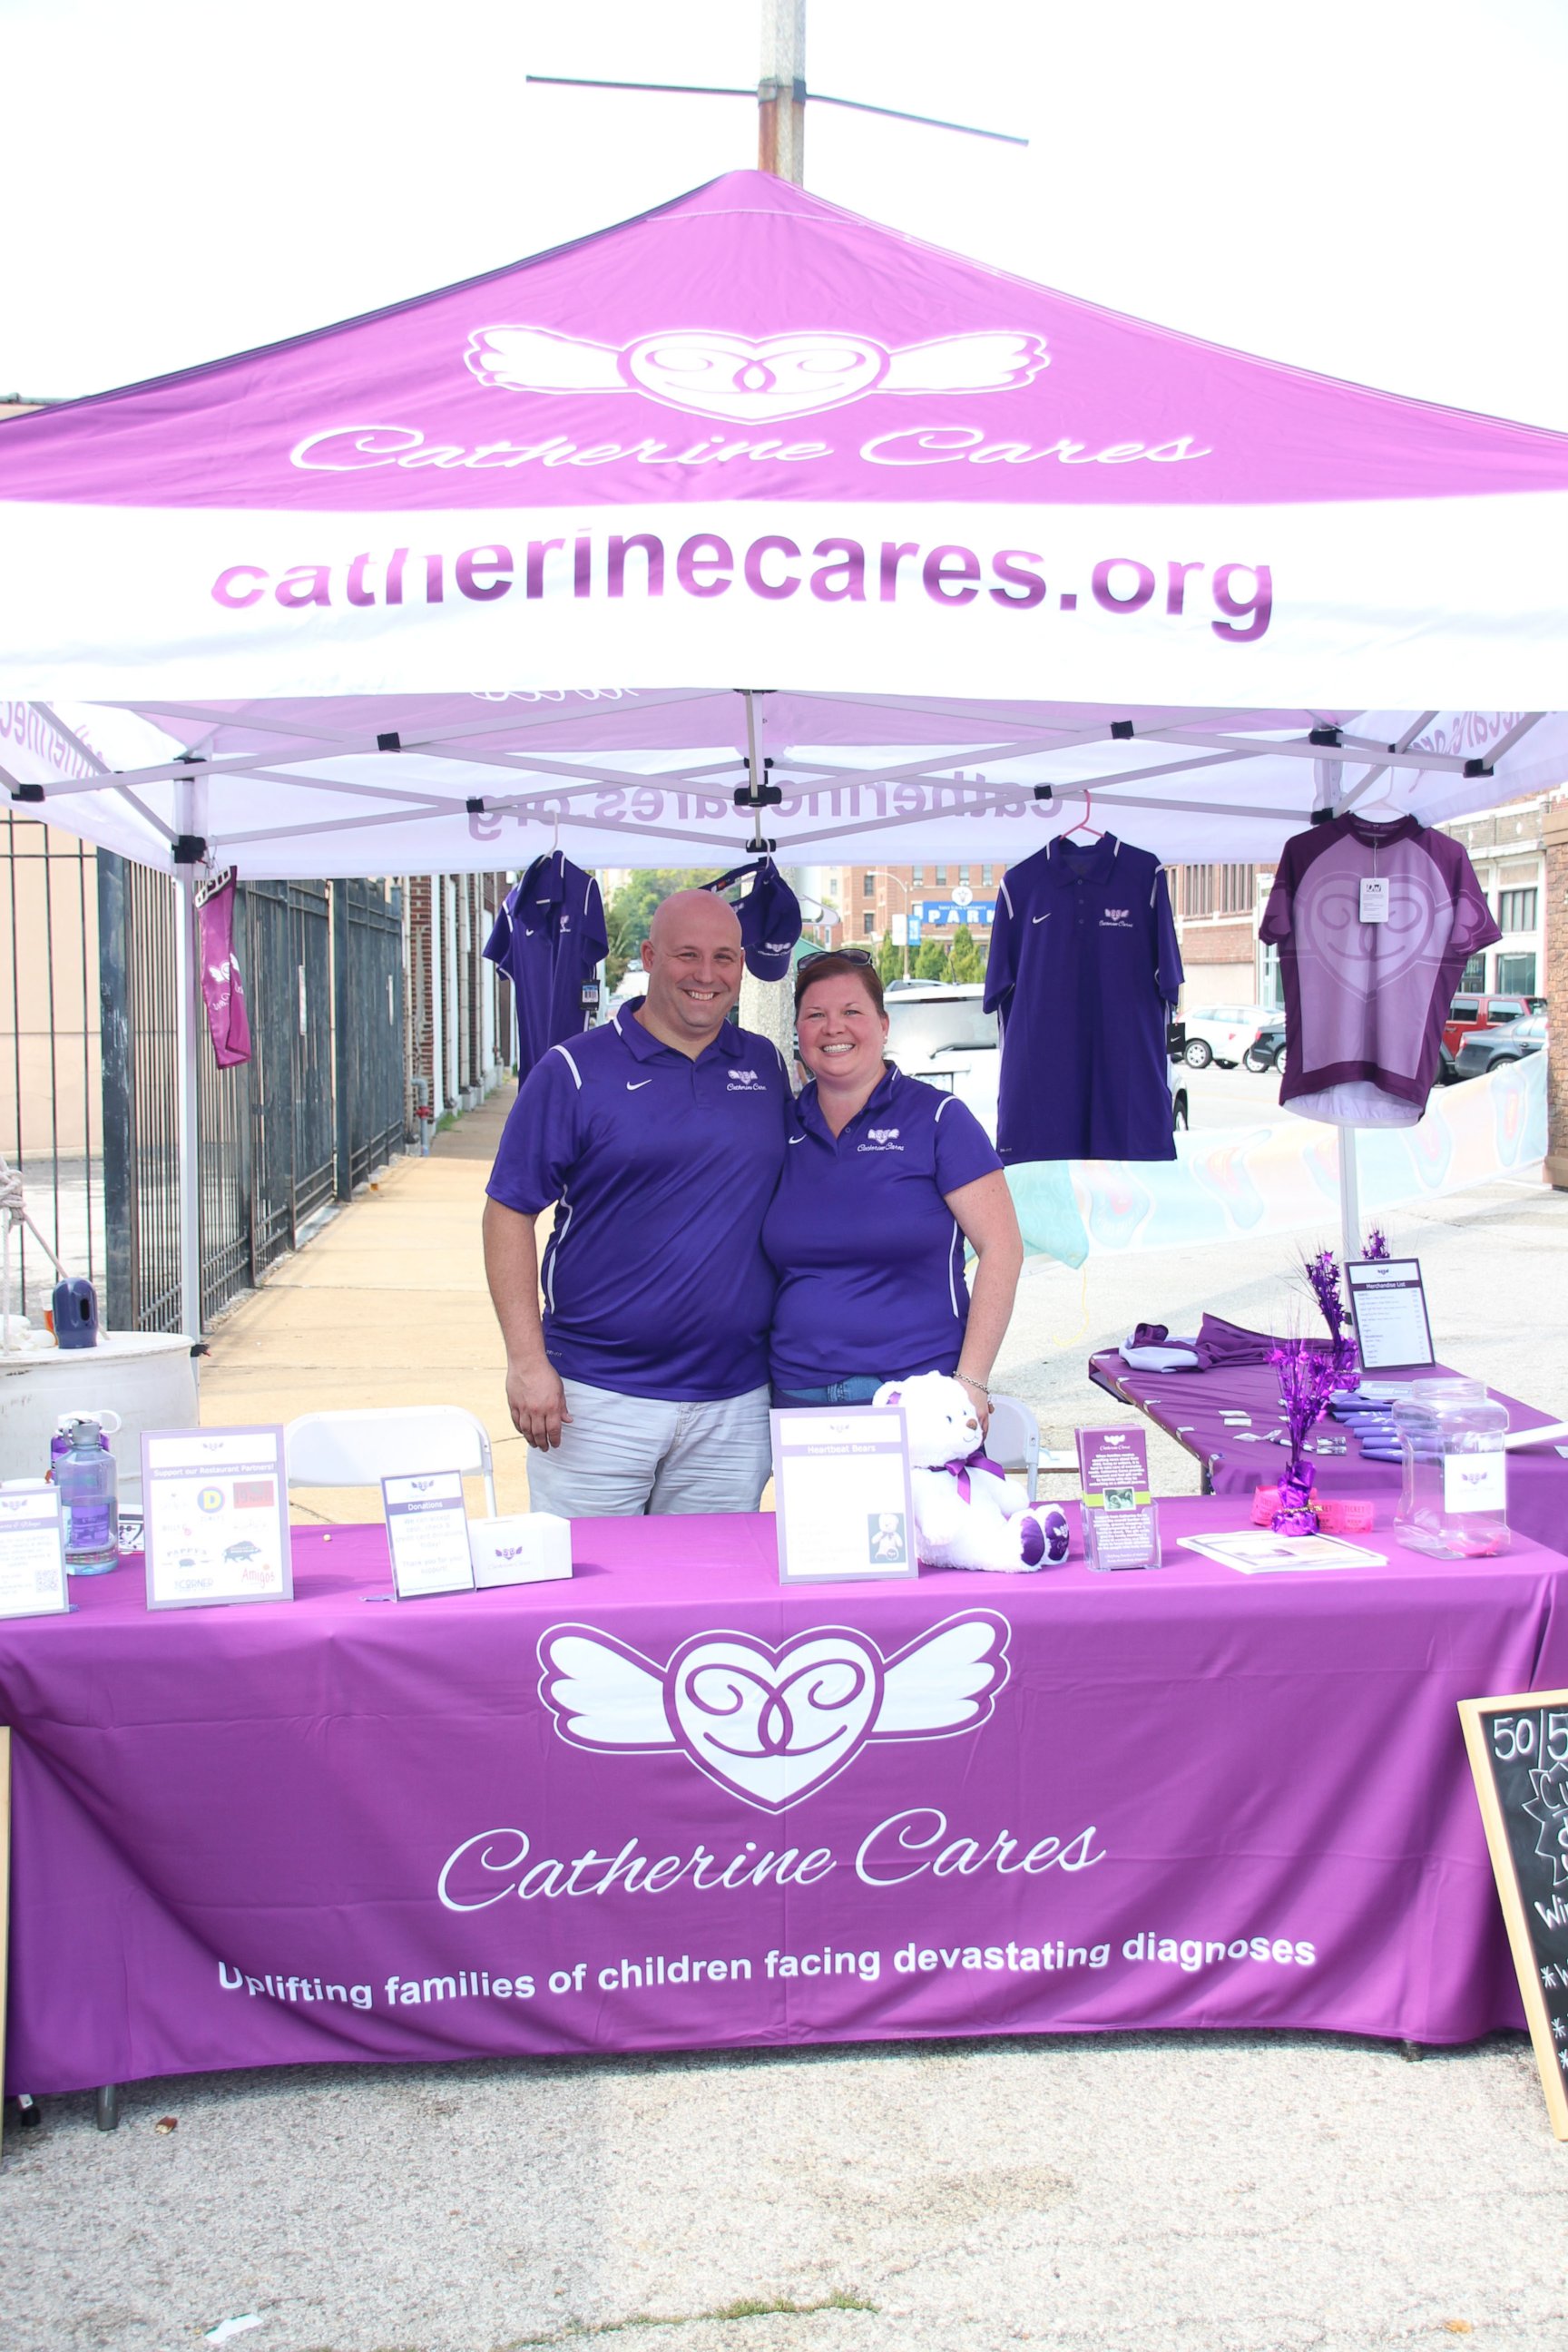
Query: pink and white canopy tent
(789, 485)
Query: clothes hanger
(1083, 824)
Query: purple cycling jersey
(1366, 1002)
(548, 939)
(661, 1166)
(1084, 969)
(869, 1255)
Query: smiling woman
(884, 1180)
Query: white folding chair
(1012, 1439)
(362, 1448)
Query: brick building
(873, 901)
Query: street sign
(956, 913)
(900, 926)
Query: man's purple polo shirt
(869, 1257)
(661, 1166)
(1084, 968)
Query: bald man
(657, 1139)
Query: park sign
(947, 914)
(1519, 1755)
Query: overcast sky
(1375, 188)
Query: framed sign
(841, 1490)
(1388, 1305)
(32, 1550)
(428, 1533)
(215, 1509)
(1519, 1756)
(1121, 1516)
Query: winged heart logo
(771, 1725)
(743, 379)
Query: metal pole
(191, 1020)
(1350, 1197)
(780, 92)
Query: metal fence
(317, 1107)
(367, 987)
(50, 1123)
(89, 1064)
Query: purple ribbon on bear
(960, 1467)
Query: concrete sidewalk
(387, 1305)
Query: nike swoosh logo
(635, 1088)
(1042, 918)
(797, 1138)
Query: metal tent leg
(1350, 1197)
(107, 2109)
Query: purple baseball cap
(769, 916)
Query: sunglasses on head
(842, 955)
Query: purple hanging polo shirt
(869, 1257)
(661, 1166)
(548, 937)
(1366, 1003)
(1084, 971)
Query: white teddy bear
(966, 1514)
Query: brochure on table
(32, 1550)
(214, 1505)
(841, 1492)
(1121, 1518)
(428, 1533)
(1257, 1552)
(1388, 1304)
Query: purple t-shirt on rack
(1366, 1002)
(1083, 971)
(869, 1255)
(661, 1167)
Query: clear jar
(1453, 1501)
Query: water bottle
(84, 1472)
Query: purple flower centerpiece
(1309, 1373)
(1376, 1244)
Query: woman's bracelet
(978, 1386)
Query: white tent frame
(1201, 740)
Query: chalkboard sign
(1518, 1754)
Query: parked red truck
(1468, 1013)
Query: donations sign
(1518, 1754)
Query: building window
(1516, 912)
(964, 876)
(869, 884)
(1270, 986)
(1197, 890)
(1474, 976)
(868, 926)
(1516, 973)
(987, 878)
(917, 874)
(940, 877)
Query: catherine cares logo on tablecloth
(746, 380)
(771, 1725)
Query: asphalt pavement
(1228, 2192)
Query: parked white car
(941, 1032)
(1221, 1032)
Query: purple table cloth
(1188, 1406)
(670, 1805)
